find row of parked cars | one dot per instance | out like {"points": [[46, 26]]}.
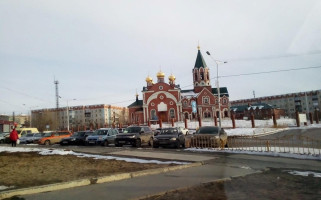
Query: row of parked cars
{"points": [[135, 136]]}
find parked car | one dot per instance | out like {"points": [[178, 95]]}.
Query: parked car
{"points": [[219, 137], [103, 136], [26, 139], [37, 137], [135, 136], [157, 131], [184, 130], [4, 136], [169, 137], [77, 138], [121, 130], [54, 137]]}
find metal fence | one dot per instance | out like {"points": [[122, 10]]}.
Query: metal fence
{"points": [[293, 144]]}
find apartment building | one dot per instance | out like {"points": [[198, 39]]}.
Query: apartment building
{"points": [[80, 117], [306, 102]]}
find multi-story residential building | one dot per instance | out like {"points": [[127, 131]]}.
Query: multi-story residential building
{"points": [[80, 117], [306, 102]]}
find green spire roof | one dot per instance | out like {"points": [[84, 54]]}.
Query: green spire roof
{"points": [[200, 60]]}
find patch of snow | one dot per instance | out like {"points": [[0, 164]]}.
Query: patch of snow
{"points": [[273, 152], [306, 173], [2, 187], [68, 152]]}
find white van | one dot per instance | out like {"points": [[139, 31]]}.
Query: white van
{"points": [[25, 131]]}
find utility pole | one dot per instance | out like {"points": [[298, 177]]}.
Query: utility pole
{"points": [[254, 94], [56, 82]]}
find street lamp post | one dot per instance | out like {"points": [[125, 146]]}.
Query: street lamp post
{"points": [[218, 88]]}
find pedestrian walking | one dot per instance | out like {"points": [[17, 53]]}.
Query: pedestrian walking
{"points": [[14, 136]]}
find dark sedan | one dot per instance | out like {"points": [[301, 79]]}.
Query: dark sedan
{"points": [[169, 137], [78, 138]]}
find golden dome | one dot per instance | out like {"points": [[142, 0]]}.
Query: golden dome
{"points": [[171, 77], [160, 74], [149, 79]]}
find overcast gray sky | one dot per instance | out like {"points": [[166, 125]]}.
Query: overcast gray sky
{"points": [[102, 51]]}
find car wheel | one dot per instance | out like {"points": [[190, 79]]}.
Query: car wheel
{"points": [[47, 142], [226, 145], [151, 142], [106, 143], [118, 145], [178, 144], [138, 143], [155, 146]]}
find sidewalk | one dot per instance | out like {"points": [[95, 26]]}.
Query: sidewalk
{"points": [[147, 185]]}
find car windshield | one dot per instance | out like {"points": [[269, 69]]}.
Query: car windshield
{"points": [[38, 134], [47, 134], [100, 132], [29, 135], [168, 131], [207, 130], [79, 134], [132, 130]]}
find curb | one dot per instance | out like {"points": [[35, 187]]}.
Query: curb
{"points": [[90, 181], [179, 189], [188, 187]]}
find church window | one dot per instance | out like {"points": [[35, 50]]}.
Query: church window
{"points": [[153, 114], [205, 100], [172, 113], [160, 87], [202, 75], [224, 101], [185, 103], [207, 114]]}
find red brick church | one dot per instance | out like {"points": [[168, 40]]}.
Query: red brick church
{"points": [[166, 101]]}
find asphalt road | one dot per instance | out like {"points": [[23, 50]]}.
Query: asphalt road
{"points": [[216, 166]]}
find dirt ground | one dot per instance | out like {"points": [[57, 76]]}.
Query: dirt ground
{"points": [[31, 169], [272, 184]]}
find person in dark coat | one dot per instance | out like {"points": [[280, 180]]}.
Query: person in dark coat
{"points": [[14, 136]]}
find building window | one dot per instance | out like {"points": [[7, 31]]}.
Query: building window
{"points": [[224, 101], [153, 114], [160, 87], [172, 113], [202, 75], [161, 97], [171, 103], [205, 100], [152, 104], [185, 103], [207, 114]]}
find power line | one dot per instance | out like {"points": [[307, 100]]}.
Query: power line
{"points": [[269, 72], [266, 72]]}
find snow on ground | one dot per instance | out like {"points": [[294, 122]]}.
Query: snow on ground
{"points": [[68, 152], [244, 127], [307, 173], [303, 153]]}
